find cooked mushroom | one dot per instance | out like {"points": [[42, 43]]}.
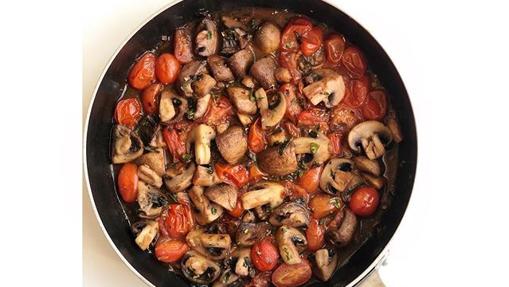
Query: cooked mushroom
{"points": [[207, 38], [205, 176], [245, 120], [291, 243], [341, 229], [264, 192], [267, 38], [146, 174], [338, 176], [248, 217], [179, 178], [166, 108], [155, 159], [232, 144], [367, 165], [150, 199], [228, 279], [372, 136], [202, 104], [201, 135], [241, 98], [199, 269], [223, 194], [250, 233], [232, 22], [291, 214], [183, 44], [157, 139], [263, 71], [263, 212], [270, 117], [377, 181], [188, 74], [214, 246], [277, 160], [318, 147], [325, 263], [146, 129], [244, 266], [330, 89], [248, 82], [207, 212], [145, 236], [278, 137], [393, 126], [283, 75], [220, 70], [203, 84], [241, 61], [128, 146]]}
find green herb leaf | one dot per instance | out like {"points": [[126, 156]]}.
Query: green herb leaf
{"points": [[186, 158], [314, 147], [336, 202], [190, 114], [213, 210], [209, 35]]}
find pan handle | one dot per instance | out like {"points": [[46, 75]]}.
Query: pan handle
{"points": [[372, 280]]}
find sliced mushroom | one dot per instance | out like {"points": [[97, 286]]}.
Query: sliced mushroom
{"points": [[207, 212], [232, 144], [338, 176], [128, 146], [183, 44], [150, 199], [278, 137], [220, 70], [146, 174], [377, 181], [244, 266], [232, 22], [341, 229], [241, 98], [267, 38], [291, 243], [228, 279], [199, 269], [201, 135], [248, 217], [318, 146], [204, 176], [155, 159], [393, 126], [157, 139], [263, 71], [265, 192], [179, 178], [223, 194], [283, 75], [325, 263], [270, 117], [202, 104], [245, 120], [166, 108], [146, 128], [207, 38], [250, 233], [367, 165], [263, 212], [203, 84], [213, 246], [330, 89], [277, 160], [370, 136], [147, 235], [241, 61], [248, 82], [188, 74], [291, 214]]}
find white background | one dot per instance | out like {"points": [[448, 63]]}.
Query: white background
{"points": [[452, 56]]}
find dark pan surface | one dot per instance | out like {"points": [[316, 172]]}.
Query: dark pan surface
{"points": [[99, 169]]}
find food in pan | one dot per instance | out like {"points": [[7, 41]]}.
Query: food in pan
{"points": [[253, 147]]}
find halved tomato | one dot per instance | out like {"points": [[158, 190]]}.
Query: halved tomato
{"points": [[292, 275]]}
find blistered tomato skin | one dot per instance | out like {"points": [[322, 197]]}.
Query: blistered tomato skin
{"points": [[364, 201], [167, 68], [128, 112], [264, 255], [292, 275], [128, 182], [142, 74]]}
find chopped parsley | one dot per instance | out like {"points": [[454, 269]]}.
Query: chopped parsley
{"points": [[213, 210], [190, 114], [336, 202], [314, 147], [186, 158], [209, 35]]}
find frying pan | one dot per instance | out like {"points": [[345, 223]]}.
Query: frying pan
{"points": [[99, 171]]}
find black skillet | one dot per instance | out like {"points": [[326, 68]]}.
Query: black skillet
{"points": [[97, 135]]}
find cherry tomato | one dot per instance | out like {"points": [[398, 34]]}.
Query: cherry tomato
{"points": [[261, 279], [291, 129], [364, 201], [236, 174], [264, 255], [128, 112], [323, 204], [313, 116], [175, 144], [375, 107], [335, 143], [256, 140], [255, 174], [183, 46], [150, 98], [220, 111], [293, 108], [176, 221], [334, 48], [295, 191], [128, 182], [170, 250], [354, 62], [356, 92], [310, 179], [292, 275], [311, 41], [295, 28], [142, 74], [238, 210], [315, 235], [167, 68]]}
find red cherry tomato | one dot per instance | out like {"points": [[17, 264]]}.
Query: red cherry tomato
{"points": [[356, 92], [167, 68], [261, 279], [293, 108], [150, 98], [313, 116], [128, 182], [176, 221], [364, 201], [183, 46], [256, 137], [295, 28], [176, 145], [264, 255], [354, 62], [335, 143], [291, 129], [292, 275], [315, 235], [128, 112], [311, 41], [375, 107], [232, 174], [170, 250], [142, 74], [220, 111], [310, 180], [323, 204], [289, 60], [334, 48]]}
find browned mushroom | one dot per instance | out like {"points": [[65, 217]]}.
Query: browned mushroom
{"points": [[203, 84], [205, 176], [150, 199], [155, 159], [179, 178], [341, 229], [250, 233], [219, 69], [371, 137], [270, 116], [268, 37], [213, 246], [325, 263], [207, 211], [291, 243], [232, 144], [128, 146], [263, 71], [146, 174], [291, 214], [199, 269], [241, 98], [223, 194], [183, 44], [241, 61], [262, 193], [278, 160], [283, 75], [330, 89], [207, 38]]}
